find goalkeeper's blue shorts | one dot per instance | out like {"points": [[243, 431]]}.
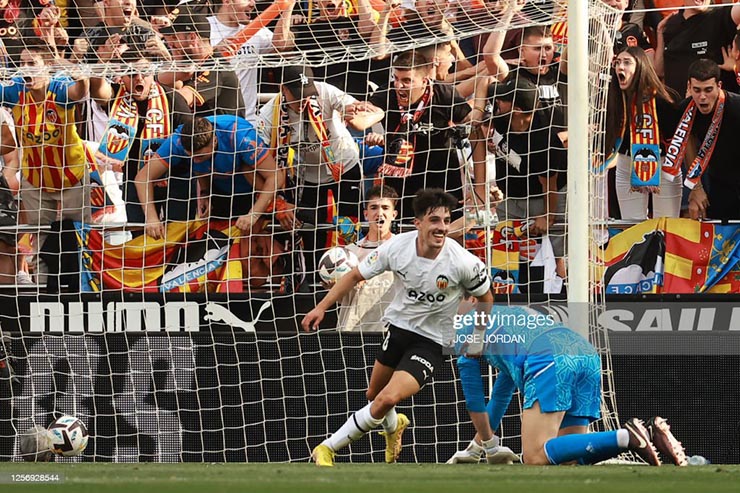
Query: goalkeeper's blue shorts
{"points": [[564, 382]]}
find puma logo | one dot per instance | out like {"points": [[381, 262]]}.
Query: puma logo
{"points": [[218, 313]]}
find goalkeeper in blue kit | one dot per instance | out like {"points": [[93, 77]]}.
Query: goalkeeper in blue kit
{"points": [[558, 374]]}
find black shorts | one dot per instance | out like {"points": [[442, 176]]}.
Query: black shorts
{"points": [[410, 352]]}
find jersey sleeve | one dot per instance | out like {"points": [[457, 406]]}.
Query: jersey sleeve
{"points": [[337, 98], [472, 384], [501, 393], [249, 146], [475, 280], [172, 152], [59, 86], [10, 92], [378, 261]]}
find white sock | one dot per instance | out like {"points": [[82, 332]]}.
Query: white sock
{"points": [[390, 421], [359, 424], [623, 438], [474, 448], [492, 443]]}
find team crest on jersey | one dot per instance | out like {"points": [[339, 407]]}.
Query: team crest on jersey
{"points": [[373, 257], [51, 115], [442, 282]]}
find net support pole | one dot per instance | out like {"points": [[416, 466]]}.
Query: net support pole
{"points": [[578, 175]]}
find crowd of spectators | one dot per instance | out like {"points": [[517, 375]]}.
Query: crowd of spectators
{"points": [[170, 122]]}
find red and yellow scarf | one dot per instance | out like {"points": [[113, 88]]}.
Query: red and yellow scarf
{"points": [[676, 150], [124, 113], [281, 133], [645, 140]]}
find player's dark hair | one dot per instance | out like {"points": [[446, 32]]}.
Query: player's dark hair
{"points": [[704, 69], [432, 198], [382, 192], [196, 134]]}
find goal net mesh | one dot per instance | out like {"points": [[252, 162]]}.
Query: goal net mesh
{"points": [[188, 347]]}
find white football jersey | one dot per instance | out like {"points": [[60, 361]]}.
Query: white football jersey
{"points": [[431, 290], [363, 308]]}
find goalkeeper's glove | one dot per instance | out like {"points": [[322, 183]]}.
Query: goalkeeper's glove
{"points": [[471, 455], [497, 453]]}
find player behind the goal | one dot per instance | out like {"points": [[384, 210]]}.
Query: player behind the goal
{"points": [[434, 271]]}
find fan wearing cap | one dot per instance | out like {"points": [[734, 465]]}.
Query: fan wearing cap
{"points": [[531, 160], [310, 118], [213, 87], [122, 30]]}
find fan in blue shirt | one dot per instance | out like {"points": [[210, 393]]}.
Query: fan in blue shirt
{"points": [[230, 162]]}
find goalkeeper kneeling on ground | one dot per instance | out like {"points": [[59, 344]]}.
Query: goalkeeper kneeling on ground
{"points": [[558, 374]]}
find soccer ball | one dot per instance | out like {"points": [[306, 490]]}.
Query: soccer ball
{"points": [[335, 263], [68, 436]]}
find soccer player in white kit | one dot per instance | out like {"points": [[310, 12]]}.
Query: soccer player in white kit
{"points": [[434, 271]]}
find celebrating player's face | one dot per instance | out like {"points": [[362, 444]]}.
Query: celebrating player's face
{"points": [[432, 11], [433, 229], [120, 12], [705, 94], [242, 9], [330, 9]]}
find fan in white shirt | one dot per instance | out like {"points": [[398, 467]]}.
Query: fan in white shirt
{"points": [[230, 18]]}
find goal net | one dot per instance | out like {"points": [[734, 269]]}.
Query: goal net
{"points": [[151, 285]]}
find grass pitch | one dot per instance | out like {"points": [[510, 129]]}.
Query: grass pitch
{"points": [[371, 478]]}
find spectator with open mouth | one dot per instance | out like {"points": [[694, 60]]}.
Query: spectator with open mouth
{"points": [[151, 111], [644, 113]]}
